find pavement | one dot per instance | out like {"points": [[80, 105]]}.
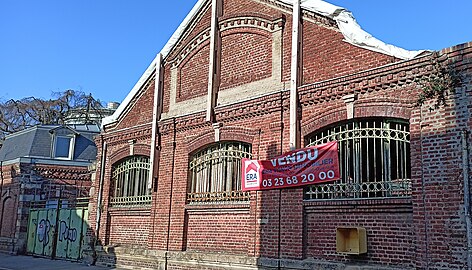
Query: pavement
{"points": [[19, 262]]}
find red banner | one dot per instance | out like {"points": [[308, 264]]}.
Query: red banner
{"points": [[300, 167]]}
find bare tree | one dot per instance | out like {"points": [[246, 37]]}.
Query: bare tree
{"points": [[16, 115]]}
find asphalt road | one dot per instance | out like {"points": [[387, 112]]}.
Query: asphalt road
{"points": [[13, 262]]}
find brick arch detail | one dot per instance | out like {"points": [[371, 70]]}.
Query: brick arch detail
{"points": [[242, 23], [246, 30], [362, 109], [139, 149], [239, 134]]}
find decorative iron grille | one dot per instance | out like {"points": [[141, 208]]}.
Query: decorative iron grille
{"points": [[215, 173], [130, 182], [374, 160], [131, 201]]}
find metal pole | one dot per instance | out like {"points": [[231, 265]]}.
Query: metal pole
{"points": [[294, 140], [465, 175], [100, 190], [212, 70]]}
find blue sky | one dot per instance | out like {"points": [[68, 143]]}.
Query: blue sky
{"points": [[103, 46]]}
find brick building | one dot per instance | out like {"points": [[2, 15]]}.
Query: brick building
{"points": [[233, 85], [42, 164]]}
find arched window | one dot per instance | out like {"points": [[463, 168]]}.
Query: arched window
{"points": [[130, 178], [215, 173], [374, 160]]}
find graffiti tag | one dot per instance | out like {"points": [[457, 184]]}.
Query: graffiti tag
{"points": [[43, 231], [66, 233]]}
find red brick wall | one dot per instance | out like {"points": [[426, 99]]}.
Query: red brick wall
{"points": [[388, 223], [9, 195], [233, 7], [248, 63], [214, 231], [139, 112], [424, 231], [326, 55], [192, 82], [128, 227], [166, 88], [118, 147]]}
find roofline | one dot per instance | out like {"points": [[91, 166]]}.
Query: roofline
{"points": [[346, 22], [173, 40], [45, 161], [47, 127], [20, 132]]}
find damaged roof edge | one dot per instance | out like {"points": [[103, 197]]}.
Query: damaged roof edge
{"points": [[352, 31], [346, 22]]}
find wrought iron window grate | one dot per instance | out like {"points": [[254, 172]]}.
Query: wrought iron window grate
{"points": [[215, 173], [130, 182], [131, 201], [374, 160]]}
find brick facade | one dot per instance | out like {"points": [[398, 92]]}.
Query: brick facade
{"points": [[23, 184], [278, 229]]}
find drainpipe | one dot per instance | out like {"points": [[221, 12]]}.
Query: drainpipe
{"points": [[465, 175], [174, 145], [100, 189], [294, 74]]}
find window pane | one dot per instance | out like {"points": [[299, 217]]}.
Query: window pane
{"points": [[62, 148]]}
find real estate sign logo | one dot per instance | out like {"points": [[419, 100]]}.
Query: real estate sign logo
{"points": [[251, 173]]}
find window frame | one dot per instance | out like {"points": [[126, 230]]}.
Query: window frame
{"points": [[71, 149], [214, 173], [129, 182], [374, 157]]}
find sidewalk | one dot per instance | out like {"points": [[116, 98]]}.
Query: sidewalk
{"points": [[13, 262]]}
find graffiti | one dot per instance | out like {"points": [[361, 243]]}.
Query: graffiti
{"points": [[66, 233], [57, 233], [43, 231]]}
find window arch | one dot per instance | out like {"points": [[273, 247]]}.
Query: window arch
{"points": [[215, 173], [130, 178], [374, 159]]}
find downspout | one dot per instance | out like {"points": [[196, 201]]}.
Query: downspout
{"points": [[174, 145], [100, 190], [294, 74], [465, 175]]}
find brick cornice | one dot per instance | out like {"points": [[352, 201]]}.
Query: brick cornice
{"points": [[383, 78], [142, 132], [63, 173], [254, 107], [227, 133]]}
